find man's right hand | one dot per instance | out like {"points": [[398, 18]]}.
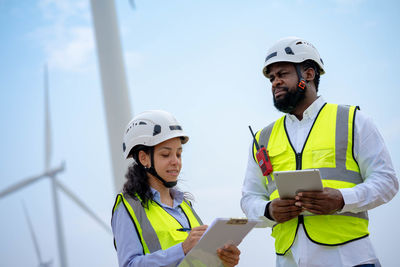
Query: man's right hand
{"points": [[194, 236], [282, 210]]}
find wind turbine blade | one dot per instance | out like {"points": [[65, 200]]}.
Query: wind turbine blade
{"points": [[30, 180], [47, 128], [82, 205], [35, 243], [21, 184]]}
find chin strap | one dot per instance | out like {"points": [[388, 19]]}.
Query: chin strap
{"points": [[301, 86], [153, 172]]}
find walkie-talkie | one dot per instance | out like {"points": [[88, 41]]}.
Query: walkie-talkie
{"points": [[262, 157]]}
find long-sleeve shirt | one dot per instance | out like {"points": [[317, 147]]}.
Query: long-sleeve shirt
{"points": [[129, 248], [380, 186]]}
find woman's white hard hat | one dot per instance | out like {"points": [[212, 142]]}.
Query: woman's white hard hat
{"points": [[151, 128], [292, 49]]}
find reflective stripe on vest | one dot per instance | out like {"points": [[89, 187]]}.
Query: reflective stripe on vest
{"points": [[155, 227], [329, 148]]}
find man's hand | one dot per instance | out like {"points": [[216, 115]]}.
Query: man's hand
{"points": [[282, 210], [229, 255], [326, 202], [194, 236]]}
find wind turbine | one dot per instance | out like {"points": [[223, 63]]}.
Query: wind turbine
{"points": [[55, 184], [113, 82], [35, 243]]}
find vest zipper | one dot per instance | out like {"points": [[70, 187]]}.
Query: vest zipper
{"points": [[299, 155], [298, 161], [301, 219], [298, 167]]}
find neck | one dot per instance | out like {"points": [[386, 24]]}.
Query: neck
{"points": [[310, 97], [165, 194]]}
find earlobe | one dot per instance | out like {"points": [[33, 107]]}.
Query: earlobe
{"points": [[143, 158], [309, 74]]}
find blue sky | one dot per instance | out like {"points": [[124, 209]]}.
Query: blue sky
{"points": [[200, 60]]}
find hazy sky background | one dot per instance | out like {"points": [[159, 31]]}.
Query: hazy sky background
{"points": [[200, 60]]}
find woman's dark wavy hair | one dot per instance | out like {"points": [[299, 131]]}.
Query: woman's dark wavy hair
{"points": [[138, 181]]}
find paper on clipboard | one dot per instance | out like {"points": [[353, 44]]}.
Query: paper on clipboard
{"points": [[220, 232]]}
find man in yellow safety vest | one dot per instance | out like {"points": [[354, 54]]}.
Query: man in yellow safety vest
{"points": [[337, 140]]}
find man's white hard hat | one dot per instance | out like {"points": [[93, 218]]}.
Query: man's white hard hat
{"points": [[292, 49], [151, 128]]}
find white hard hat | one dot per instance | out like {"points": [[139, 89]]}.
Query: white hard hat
{"points": [[151, 128], [292, 49]]}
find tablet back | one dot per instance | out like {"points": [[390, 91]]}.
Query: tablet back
{"points": [[289, 183]]}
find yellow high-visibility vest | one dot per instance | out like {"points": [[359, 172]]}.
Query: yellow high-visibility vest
{"points": [[155, 227], [329, 148]]}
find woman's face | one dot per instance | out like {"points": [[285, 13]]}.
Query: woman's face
{"points": [[167, 159]]}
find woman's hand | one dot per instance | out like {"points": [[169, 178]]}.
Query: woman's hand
{"points": [[229, 255], [194, 236]]}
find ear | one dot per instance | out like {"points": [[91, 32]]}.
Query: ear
{"points": [[144, 158], [309, 74]]}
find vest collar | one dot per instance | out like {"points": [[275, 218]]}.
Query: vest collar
{"points": [[176, 195]]}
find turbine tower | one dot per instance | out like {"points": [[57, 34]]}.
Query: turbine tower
{"points": [[113, 81], [35, 243]]}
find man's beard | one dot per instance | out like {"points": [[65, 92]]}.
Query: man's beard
{"points": [[289, 101]]}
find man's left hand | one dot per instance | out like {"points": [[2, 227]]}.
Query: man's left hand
{"points": [[326, 202]]}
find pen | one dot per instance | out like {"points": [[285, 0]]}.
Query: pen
{"points": [[184, 229]]}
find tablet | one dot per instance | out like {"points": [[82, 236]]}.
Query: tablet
{"points": [[289, 183]]}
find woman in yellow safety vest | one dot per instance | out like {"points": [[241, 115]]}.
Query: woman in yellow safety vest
{"points": [[154, 224]]}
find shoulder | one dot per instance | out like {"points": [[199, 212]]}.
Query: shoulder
{"points": [[264, 134], [120, 216], [188, 198], [363, 123], [188, 202], [269, 126], [362, 119], [267, 129]]}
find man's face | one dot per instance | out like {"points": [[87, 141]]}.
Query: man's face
{"points": [[283, 77]]}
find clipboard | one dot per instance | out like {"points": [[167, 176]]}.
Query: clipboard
{"points": [[289, 183], [221, 231]]}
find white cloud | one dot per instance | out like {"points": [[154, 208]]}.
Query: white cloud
{"points": [[63, 9], [67, 37], [74, 53]]}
